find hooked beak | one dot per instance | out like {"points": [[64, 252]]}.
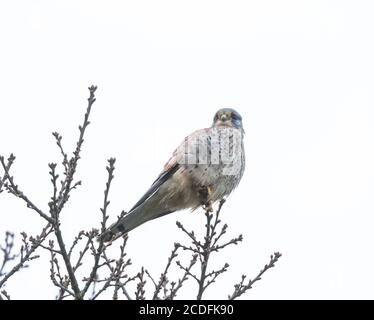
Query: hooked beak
{"points": [[224, 117]]}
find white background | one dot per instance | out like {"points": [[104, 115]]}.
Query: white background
{"points": [[299, 72]]}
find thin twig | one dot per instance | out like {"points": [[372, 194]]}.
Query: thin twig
{"points": [[105, 217], [203, 249], [163, 275], [208, 239], [63, 153], [7, 166], [175, 289], [13, 188], [64, 195], [241, 288], [74, 160], [55, 273], [6, 295], [28, 254], [140, 292], [7, 251]]}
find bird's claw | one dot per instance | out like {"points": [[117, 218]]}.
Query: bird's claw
{"points": [[205, 193], [208, 207]]}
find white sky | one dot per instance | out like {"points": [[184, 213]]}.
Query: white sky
{"points": [[300, 73]]}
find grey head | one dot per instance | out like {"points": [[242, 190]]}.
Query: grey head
{"points": [[227, 117]]}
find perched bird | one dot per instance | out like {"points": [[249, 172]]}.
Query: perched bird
{"points": [[205, 168]]}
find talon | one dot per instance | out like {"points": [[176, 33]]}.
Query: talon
{"points": [[210, 191], [208, 206], [205, 193]]}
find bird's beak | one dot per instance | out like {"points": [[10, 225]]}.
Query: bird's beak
{"points": [[224, 117]]}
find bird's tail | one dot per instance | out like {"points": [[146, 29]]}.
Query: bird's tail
{"points": [[125, 224], [133, 219]]}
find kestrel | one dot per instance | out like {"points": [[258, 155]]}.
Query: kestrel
{"points": [[206, 167]]}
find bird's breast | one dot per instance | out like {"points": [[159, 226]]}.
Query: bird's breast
{"points": [[216, 158]]}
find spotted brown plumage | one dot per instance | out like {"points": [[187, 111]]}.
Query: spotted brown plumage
{"points": [[205, 168]]}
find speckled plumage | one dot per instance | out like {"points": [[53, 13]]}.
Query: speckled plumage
{"points": [[205, 168]]}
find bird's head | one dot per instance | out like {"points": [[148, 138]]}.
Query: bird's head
{"points": [[227, 117]]}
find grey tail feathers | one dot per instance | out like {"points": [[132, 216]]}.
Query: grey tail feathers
{"points": [[122, 226], [147, 208], [128, 223]]}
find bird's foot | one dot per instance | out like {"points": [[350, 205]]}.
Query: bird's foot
{"points": [[208, 206], [205, 193]]}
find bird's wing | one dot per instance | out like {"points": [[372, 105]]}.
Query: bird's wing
{"points": [[171, 166], [149, 202], [164, 176]]}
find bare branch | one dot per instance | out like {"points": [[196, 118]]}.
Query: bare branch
{"points": [[107, 272], [64, 194], [215, 274], [140, 292], [105, 217], [203, 249], [190, 234], [241, 288], [63, 153], [7, 251], [175, 289], [72, 164], [13, 189], [5, 294], [7, 168], [116, 272], [26, 252], [75, 242], [188, 270], [57, 273], [163, 278]]}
